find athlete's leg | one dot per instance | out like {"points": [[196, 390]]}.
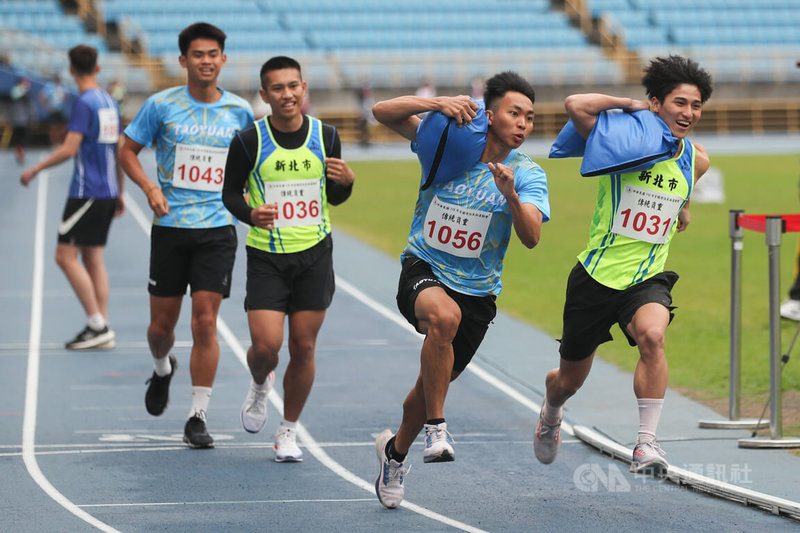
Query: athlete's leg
{"points": [[303, 329], [564, 381], [93, 261], [78, 277], [648, 328], [266, 336], [164, 314], [205, 346]]}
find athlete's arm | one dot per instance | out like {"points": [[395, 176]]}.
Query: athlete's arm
{"points": [[584, 108], [68, 149], [400, 114], [129, 159], [120, 183], [237, 170], [339, 175], [701, 164], [526, 218]]}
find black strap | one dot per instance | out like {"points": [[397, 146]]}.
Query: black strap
{"points": [[437, 158]]}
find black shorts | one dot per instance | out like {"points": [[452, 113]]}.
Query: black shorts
{"points": [[200, 258], [299, 281], [86, 221], [477, 312], [591, 309]]}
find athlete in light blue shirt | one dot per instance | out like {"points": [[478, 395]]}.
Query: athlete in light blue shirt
{"points": [[451, 266], [193, 241], [473, 261]]}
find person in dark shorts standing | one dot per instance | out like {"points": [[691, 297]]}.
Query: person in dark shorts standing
{"points": [[193, 241], [452, 263], [95, 195], [290, 166], [620, 276]]}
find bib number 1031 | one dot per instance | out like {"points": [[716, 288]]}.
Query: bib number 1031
{"points": [[646, 215]]}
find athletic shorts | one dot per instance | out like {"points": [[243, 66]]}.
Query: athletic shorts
{"points": [[299, 281], [591, 309], [477, 312], [86, 221], [199, 258]]}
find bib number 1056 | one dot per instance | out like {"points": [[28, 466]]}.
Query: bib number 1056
{"points": [[456, 230]]}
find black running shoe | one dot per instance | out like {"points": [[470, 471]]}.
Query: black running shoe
{"points": [[157, 395], [195, 433], [91, 338]]}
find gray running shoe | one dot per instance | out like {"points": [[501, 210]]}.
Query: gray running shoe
{"points": [[389, 484], [438, 444], [648, 458], [286, 448], [254, 408], [91, 338], [546, 440]]}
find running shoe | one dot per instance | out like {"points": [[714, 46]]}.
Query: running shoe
{"points": [[157, 396], [438, 444], [90, 338], [286, 449], [389, 485], [254, 408], [195, 433], [648, 458], [546, 440], [791, 309]]}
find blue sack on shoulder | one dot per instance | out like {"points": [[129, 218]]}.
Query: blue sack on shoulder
{"points": [[444, 150], [619, 142]]}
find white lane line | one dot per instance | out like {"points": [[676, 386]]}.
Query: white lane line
{"points": [[229, 502], [311, 445], [32, 379]]}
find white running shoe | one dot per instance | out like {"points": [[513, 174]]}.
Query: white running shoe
{"points": [[389, 485], [546, 440], [286, 449], [648, 458], [254, 408], [791, 309], [438, 444]]}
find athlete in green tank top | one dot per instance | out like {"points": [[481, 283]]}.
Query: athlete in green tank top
{"points": [[620, 276]]}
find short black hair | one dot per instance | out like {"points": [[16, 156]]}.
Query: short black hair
{"points": [[278, 63], [83, 59], [664, 74], [499, 84], [200, 30]]}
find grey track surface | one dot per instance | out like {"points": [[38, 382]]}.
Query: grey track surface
{"points": [[97, 447]]}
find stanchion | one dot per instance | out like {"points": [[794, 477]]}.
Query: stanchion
{"points": [[774, 226], [736, 234]]}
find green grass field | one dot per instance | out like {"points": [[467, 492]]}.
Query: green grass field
{"points": [[380, 209]]}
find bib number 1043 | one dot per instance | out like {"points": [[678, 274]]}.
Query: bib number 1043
{"points": [[200, 168]]}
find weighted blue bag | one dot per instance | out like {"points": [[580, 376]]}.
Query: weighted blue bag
{"points": [[444, 150]]}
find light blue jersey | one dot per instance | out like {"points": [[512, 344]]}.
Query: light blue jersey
{"points": [[462, 227], [196, 136]]}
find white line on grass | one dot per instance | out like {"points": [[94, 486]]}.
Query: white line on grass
{"points": [[32, 379], [311, 445]]}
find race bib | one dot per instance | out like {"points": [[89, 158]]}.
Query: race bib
{"points": [[646, 215], [201, 168], [455, 230], [299, 202], [109, 126]]}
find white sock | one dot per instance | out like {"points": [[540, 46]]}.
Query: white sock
{"points": [[162, 366], [261, 387], [287, 424], [551, 415], [96, 321], [649, 413], [200, 398]]}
